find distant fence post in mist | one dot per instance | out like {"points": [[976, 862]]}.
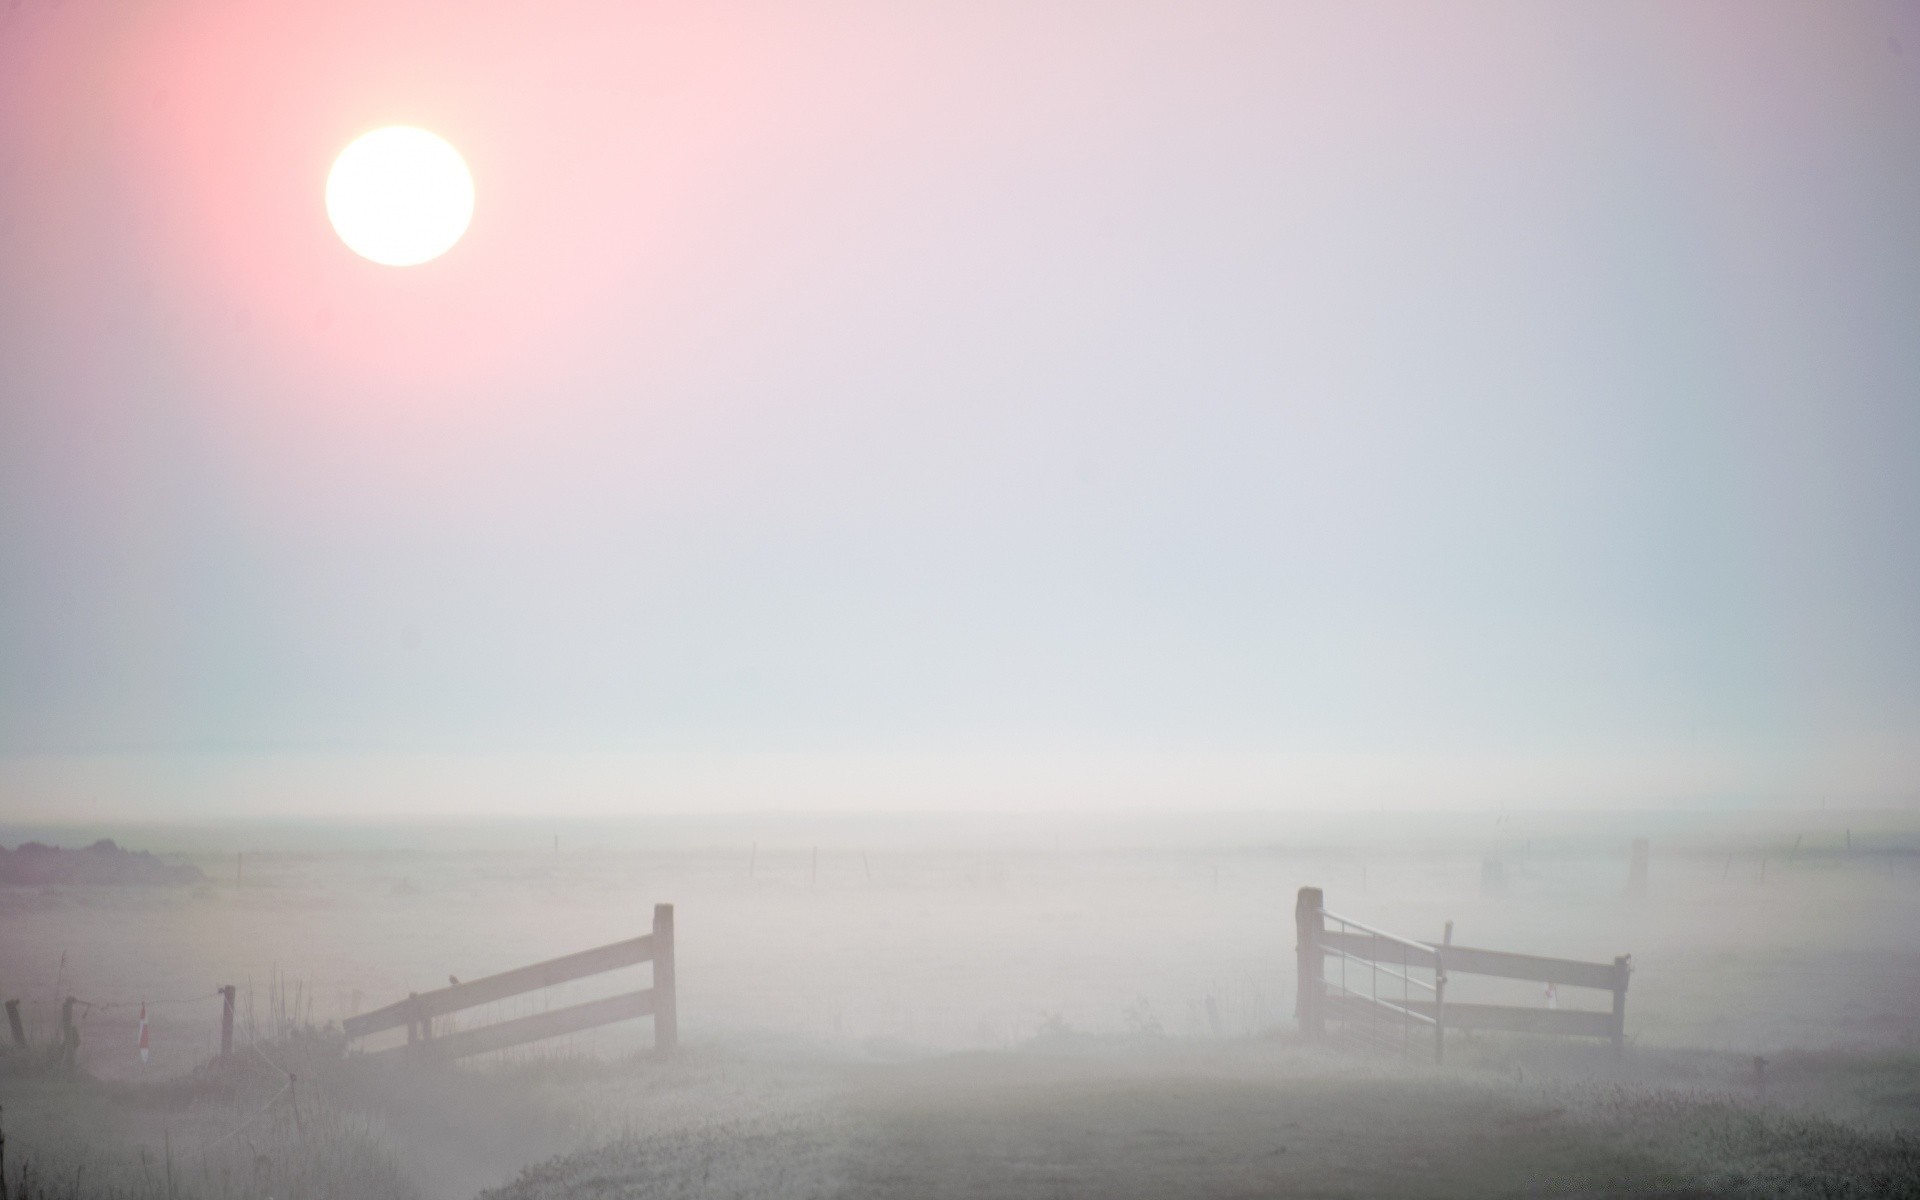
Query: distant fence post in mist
{"points": [[1622, 971], [1493, 877], [1637, 869], [666, 1007], [1310, 923], [69, 1034], [226, 1021], [417, 1012], [13, 1023]]}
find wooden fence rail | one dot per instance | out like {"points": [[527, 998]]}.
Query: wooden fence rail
{"points": [[1396, 958], [417, 1012]]}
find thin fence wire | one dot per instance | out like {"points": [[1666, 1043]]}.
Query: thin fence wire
{"points": [[1367, 1012]]}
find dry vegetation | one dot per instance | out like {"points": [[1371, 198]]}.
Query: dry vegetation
{"points": [[226, 1131]]}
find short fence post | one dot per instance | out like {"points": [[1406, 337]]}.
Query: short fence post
{"points": [[424, 1018], [1622, 970], [13, 1022], [1310, 924], [1440, 1000], [1493, 877], [69, 1034], [1637, 869], [226, 1021], [666, 1012]]}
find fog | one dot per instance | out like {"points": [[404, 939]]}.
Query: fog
{"points": [[1125, 600], [987, 1004], [949, 934]]}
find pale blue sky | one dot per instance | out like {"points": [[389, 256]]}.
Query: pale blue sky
{"points": [[1233, 404]]}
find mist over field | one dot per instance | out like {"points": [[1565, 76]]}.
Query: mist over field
{"points": [[996, 1003], [872, 600]]}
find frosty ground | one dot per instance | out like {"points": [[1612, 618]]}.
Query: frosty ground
{"points": [[985, 1009]]}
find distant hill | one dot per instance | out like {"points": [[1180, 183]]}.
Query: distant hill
{"points": [[103, 862]]}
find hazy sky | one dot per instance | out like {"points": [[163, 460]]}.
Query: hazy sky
{"points": [[962, 404]]}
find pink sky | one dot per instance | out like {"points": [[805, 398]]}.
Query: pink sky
{"points": [[917, 405]]}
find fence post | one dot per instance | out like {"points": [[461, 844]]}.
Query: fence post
{"points": [[421, 1017], [13, 1022], [1622, 969], [69, 1034], [666, 1010], [1637, 869], [1310, 923], [226, 1021]]}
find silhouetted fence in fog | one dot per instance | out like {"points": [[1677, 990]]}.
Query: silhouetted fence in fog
{"points": [[1413, 1001], [66, 1050], [418, 1011]]}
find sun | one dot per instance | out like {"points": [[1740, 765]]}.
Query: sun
{"points": [[400, 196]]}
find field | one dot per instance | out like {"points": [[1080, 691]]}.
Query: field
{"points": [[984, 1007]]}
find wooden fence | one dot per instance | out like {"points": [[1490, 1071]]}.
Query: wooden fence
{"points": [[1415, 976], [417, 1011]]}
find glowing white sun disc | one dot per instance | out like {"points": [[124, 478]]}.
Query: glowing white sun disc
{"points": [[399, 196]]}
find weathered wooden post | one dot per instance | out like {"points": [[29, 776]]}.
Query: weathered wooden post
{"points": [[666, 1009], [1622, 970], [226, 1021], [1493, 877], [69, 1034], [1310, 923], [1440, 998], [13, 1023], [418, 1018]]}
